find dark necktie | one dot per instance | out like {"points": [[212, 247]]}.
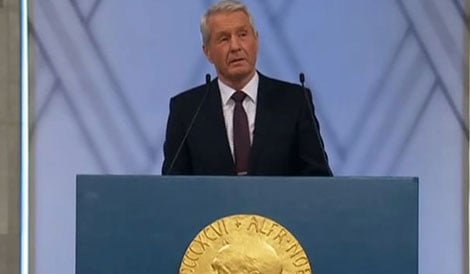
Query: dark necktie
{"points": [[241, 134]]}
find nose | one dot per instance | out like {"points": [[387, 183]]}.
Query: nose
{"points": [[234, 43]]}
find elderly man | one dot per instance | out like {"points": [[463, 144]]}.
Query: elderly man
{"points": [[241, 123]]}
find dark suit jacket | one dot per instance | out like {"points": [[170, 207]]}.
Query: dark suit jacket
{"points": [[285, 141]]}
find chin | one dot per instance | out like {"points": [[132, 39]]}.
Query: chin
{"points": [[240, 73]]}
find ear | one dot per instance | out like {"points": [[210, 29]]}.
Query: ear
{"points": [[206, 51], [257, 40]]}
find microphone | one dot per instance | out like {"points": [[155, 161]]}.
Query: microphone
{"points": [[191, 124], [306, 94], [308, 101], [302, 79]]}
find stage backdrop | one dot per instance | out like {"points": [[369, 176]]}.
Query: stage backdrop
{"points": [[388, 80]]}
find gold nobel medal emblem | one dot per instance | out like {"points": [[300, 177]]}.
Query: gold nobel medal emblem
{"points": [[242, 244]]}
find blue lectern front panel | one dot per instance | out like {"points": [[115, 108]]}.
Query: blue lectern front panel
{"points": [[144, 224]]}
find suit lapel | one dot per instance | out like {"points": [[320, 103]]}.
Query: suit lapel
{"points": [[217, 127], [262, 120]]}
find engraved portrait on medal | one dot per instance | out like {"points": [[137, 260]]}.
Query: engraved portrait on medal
{"points": [[242, 244]]}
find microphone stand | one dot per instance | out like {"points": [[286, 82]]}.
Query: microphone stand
{"points": [[191, 124]]}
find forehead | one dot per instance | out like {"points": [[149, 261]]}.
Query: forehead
{"points": [[226, 21]]}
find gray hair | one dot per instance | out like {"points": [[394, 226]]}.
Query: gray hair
{"points": [[223, 6]]}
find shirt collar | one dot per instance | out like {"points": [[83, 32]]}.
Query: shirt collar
{"points": [[251, 89]]}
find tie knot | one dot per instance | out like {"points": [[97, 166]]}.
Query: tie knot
{"points": [[238, 96]]}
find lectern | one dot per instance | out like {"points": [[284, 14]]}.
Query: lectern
{"points": [[144, 224]]}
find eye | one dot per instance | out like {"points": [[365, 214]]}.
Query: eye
{"points": [[223, 39]]}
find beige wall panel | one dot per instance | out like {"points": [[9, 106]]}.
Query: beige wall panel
{"points": [[13, 63], [4, 95], [13, 178], [9, 136], [4, 79], [3, 254], [4, 181]]}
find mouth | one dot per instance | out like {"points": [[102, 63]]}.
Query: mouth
{"points": [[236, 60]]}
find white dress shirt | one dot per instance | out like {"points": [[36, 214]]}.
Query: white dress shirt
{"points": [[228, 105]]}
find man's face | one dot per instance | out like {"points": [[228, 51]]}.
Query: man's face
{"points": [[232, 47]]}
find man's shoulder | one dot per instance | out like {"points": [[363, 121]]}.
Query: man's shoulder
{"points": [[278, 83], [281, 88], [190, 94]]}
